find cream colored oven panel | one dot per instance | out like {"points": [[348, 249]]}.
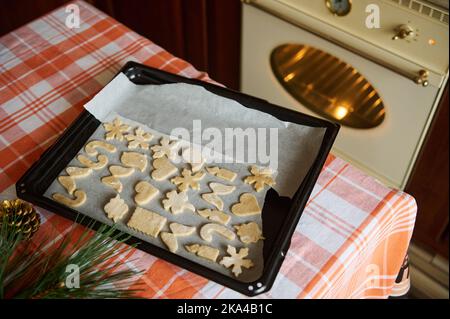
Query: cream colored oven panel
{"points": [[388, 149]]}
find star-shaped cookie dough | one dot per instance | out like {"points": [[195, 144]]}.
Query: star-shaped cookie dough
{"points": [[237, 260], [140, 138], [165, 147], [177, 202], [260, 178], [115, 130], [188, 180]]}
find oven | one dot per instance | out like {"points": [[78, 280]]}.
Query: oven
{"points": [[377, 67]]}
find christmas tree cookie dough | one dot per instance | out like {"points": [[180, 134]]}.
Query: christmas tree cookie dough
{"points": [[206, 252]]}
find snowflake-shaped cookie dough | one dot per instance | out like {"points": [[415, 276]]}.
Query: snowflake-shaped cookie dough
{"points": [[139, 139], [177, 202], [188, 180], [236, 260], [260, 178], [115, 130], [166, 148]]}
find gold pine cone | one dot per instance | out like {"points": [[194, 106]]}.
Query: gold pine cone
{"points": [[20, 216]]}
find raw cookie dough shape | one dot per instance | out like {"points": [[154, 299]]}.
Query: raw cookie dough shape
{"points": [[120, 171], [91, 147], [170, 240], [177, 230], [221, 189], [213, 199], [237, 260], [113, 182], [102, 161], [68, 183], [249, 233], [147, 222], [206, 232], [145, 192], [163, 168], [214, 215], [193, 156], [187, 180], [181, 230], [247, 206], [165, 147], [116, 208], [78, 200], [140, 139], [261, 176], [177, 202], [78, 172], [222, 173], [115, 129], [135, 160], [206, 252]]}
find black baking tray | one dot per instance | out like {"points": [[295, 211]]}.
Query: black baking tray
{"points": [[280, 214]]}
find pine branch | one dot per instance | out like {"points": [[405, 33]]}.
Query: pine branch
{"points": [[40, 272]]}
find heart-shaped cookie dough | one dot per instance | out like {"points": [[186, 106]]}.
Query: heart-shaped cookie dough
{"points": [[247, 206], [163, 168]]}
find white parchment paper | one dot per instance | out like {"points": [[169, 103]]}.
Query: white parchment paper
{"points": [[169, 106]]}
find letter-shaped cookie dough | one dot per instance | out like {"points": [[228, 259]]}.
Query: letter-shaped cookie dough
{"points": [[237, 260], [78, 200], [68, 183], [78, 172], [181, 230], [102, 160], [120, 171], [91, 147], [249, 233], [207, 231], [177, 202], [147, 222], [145, 192], [247, 206], [206, 252], [222, 173], [116, 208], [133, 159], [112, 181], [193, 156], [213, 199], [170, 241], [221, 189], [215, 215], [163, 168]]}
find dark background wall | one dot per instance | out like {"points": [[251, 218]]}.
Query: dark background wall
{"points": [[204, 32]]}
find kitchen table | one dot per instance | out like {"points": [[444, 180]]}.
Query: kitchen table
{"points": [[353, 235]]}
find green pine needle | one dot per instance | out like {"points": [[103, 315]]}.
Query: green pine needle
{"points": [[27, 271]]}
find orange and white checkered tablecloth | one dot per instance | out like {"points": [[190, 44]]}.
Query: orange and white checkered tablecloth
{"points": [[354, 232]]}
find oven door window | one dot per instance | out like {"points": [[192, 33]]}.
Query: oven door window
{"points": [[327, 86]]}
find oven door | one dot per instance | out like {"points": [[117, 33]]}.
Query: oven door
{"points": [[385, 142]]}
